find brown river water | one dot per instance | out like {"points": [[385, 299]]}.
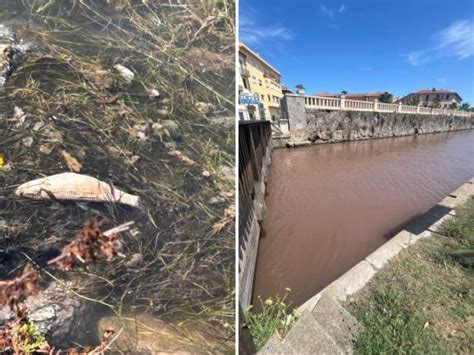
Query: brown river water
{"points": [[329, 206]]}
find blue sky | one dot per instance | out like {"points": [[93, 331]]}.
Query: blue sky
{"points": [[365, 45]]}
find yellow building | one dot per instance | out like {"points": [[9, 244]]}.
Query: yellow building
{"points": [[258, 79]]}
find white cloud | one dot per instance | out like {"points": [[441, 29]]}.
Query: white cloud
{"points": [[331, 12], [252, 33], [326, 11], [456, 40]]}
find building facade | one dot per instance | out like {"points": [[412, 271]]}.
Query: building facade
{"points": [[432, 98], [260, 88]]}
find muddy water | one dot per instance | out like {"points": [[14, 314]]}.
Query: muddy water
{"points": [[329, 206]]}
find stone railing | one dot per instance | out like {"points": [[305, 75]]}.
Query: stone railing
{"points": [[333, 103]]}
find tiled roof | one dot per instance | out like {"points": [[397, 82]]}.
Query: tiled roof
{"points": [[370, 94], [435, 92]]}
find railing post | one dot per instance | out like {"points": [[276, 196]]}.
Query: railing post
{"points": [[376, 104], [417, 109], [399, 107], [343, 101]]}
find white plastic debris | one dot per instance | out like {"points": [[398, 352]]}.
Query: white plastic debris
{"points": [[126, 74]]}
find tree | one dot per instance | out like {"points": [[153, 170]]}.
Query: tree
{"points": [[414, 101], [435, 104], [344, 92], [386, 97], [465, 106], [453, 106]]}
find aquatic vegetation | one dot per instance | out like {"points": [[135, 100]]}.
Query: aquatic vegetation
{"points": [[73, 100]]}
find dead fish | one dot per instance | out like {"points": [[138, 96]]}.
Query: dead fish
{"points": [[77, 187]]}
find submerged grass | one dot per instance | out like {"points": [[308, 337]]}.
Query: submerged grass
{"points": [[175, 151], [423, 302]]}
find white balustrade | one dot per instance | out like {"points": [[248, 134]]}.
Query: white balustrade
{"points": [[334, 103]]}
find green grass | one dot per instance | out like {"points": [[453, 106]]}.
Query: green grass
{"points": [[274, 318], [461, 228], [423, 302]]}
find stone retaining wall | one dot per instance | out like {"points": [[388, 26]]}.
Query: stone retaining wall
{"points": [[309, 126]]}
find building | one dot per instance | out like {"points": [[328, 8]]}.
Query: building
{"points": [[260, 89], [372, 97], [432, 98]]}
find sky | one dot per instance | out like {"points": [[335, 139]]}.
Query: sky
{"points": [[360, 46]]}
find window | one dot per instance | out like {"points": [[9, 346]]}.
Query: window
{"points": [[246, 84], [447, 96], [259, 82], [263, 97], [427, 97], [269, 98]]}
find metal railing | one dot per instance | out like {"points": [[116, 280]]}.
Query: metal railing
{"points": [[334, 103]]}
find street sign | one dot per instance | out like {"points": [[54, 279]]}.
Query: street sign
{"points": [[249, 99]]}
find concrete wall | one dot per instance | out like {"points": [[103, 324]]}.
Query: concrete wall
{"points": [[248, 262], [325, 126]]}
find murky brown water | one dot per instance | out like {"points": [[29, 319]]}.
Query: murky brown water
{"points": [[329, 206]]}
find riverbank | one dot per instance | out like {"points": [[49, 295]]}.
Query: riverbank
{"points": [[423, 301], [326, 324]]}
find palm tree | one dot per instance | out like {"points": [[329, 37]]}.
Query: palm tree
{"points": [[300, 89], [386, 97]]}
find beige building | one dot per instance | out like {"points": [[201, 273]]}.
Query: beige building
{"points": [[260, 89], [428, 98]]}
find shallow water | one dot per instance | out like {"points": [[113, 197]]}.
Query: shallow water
{"points": [[329, 206], [184, 229]]}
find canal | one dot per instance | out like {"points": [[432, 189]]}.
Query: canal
{"points": [[329, 206]]}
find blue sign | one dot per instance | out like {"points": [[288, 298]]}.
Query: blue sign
{"points": [[249, 99]]}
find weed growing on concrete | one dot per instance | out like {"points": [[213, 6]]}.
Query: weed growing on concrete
{"points": [[273, 319]]}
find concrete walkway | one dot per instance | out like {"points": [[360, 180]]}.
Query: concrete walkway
{"points": [[325, 327]]}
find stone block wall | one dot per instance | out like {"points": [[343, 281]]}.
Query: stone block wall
{"points": [[326, 126]]}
